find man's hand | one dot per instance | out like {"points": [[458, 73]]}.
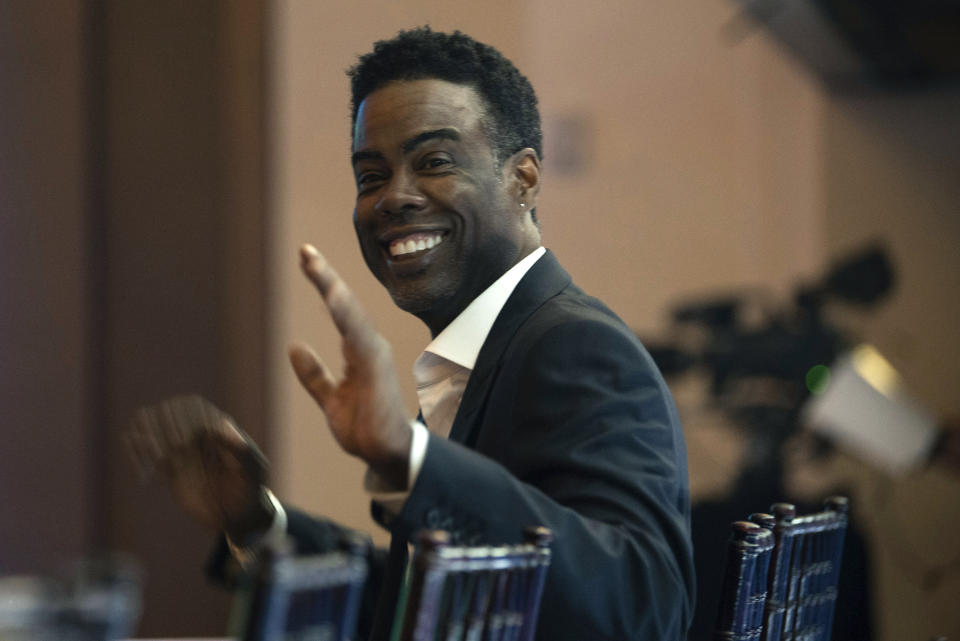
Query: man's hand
{"points": [[364, 408], [214, 471]]}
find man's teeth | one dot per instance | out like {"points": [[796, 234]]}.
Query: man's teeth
{"points": [[415, 243]]}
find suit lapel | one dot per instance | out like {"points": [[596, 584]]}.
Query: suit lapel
{"points": [[544, 280]]}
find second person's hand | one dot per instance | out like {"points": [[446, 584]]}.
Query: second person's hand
{"points": [[214, 471]]}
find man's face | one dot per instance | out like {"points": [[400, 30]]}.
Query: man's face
{"points": [[437, 219]]}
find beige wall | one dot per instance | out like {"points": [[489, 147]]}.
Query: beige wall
{"points": [[703, 158], [892, 164], [892, 171]]}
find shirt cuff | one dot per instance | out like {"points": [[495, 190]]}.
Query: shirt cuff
{"points": [[275, 535], [391, 497]]}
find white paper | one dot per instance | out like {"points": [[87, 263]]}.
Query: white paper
{"points": [[865, 410]]}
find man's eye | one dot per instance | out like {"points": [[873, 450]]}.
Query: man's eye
{"points": [[367, 177], [435, 161]]}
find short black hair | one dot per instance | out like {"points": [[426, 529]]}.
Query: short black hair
{"points": [[456, 57]]}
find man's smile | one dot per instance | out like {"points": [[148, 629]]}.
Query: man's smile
{"points": [[414, 243]]}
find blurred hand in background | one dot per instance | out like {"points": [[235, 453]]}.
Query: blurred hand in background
{"points": [[215, 472]]}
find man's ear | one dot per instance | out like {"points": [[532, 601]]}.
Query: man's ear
{"points": [[525, 170]]}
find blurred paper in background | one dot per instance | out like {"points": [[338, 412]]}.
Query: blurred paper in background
{"points": [[865, 409]]}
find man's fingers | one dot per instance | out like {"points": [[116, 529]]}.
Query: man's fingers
{"points": [[317, 269], [345, 310], [313, 374]]}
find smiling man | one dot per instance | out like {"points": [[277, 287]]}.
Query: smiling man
{"points": [[439, 215], [538, 405]]}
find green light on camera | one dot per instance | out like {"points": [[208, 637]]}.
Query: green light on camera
{"points": [[818, 378]]}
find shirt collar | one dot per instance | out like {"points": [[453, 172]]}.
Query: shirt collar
{"points": [[461, 340]]}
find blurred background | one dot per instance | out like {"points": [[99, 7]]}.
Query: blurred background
{"points": [[160, 162]]}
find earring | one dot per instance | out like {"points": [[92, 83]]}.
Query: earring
{"points": [[522, 205]]}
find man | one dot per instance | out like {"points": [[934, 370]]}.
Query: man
{"points": [[541, 406]]}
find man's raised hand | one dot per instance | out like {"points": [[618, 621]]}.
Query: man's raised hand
{"points": [[364, 407]]}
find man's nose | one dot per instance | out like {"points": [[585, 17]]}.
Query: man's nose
{"points": [[401, 194]]}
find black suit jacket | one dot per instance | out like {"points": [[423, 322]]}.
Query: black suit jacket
{"points": [[566, 423]]}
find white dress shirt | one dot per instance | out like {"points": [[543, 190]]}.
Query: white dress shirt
{"points": [[443, 369]]}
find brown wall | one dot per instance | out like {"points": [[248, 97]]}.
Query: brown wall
{"points": [[47, 467], [132, 261], [184, 241]]}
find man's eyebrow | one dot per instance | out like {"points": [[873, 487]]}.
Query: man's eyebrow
{"points": [[447, 133], [357, 156]]}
